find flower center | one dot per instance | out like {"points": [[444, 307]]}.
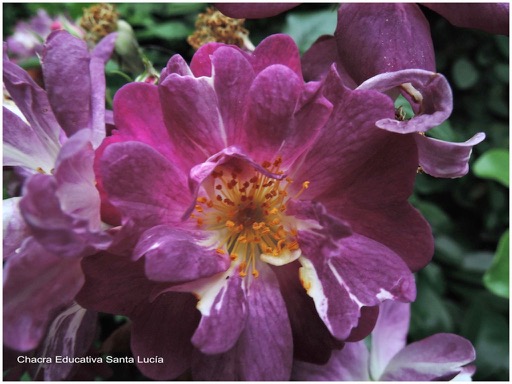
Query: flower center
{"points": [[247, 212]]}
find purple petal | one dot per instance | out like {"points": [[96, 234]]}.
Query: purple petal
{"points": [[429, 91], [220, 329], [143, 185], [312, 341], [276, 49], [114, 284], [175, 255], [35, 283], [283, 117], [70, 334], [22, 146], [164, 328], [354, 183], [386, 37], [192, 116], [348, 364], [34, 105], [15, 228], [441, 356], [443, 158], [265, 346], [389, 335], [138, 117], [103, 50], [351, 273], [489, 17], [264, 350], [63, 211], [68, 81], [232, 90], [254, 10], [318, 59]]}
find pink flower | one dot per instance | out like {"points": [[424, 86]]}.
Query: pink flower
{"points": [[238, 182]]}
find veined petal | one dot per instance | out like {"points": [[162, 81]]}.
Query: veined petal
{"points": [[143, 184], [232, 90], [174, 255], [389, 335], [283, 116], [277, 49], [264, 349], [386, 37], [441, 356], [312, 341], [70, 334], [35, 284], [191, 114], [139, 117], [59, 232], [68, 81], [23, 147], [429, 92], [220, 329], [348, 364], [443, 158], [34, 105], [355, 271]]}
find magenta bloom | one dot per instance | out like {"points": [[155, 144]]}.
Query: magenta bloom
{"points": [[238, 182], [442, 356], [50, 136]]}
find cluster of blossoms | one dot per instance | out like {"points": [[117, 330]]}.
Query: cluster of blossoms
{"points": [[250, 224]]}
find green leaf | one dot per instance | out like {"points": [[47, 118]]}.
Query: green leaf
{"points": [[494, 165], [465, 75], [305, 28], [496, 279], [172, 30]]}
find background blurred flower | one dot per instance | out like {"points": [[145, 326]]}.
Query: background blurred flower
{"points": [[439, 357]]}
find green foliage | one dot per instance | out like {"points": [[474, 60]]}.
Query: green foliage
{"points": [[496, 279], [494, 165], [305, 28]]}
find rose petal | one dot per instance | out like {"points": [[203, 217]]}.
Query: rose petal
{"points": [[430, 91], [22, 147], [68, 80], [35, 283], [441, 356], [379, 38], [220, 329], [143, 185], [443, 158], [489, 17], [389, 335], [348, 364], [175, 255]]}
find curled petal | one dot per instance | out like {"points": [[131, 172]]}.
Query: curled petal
{"points": [[443, 158], [429, 91]]}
